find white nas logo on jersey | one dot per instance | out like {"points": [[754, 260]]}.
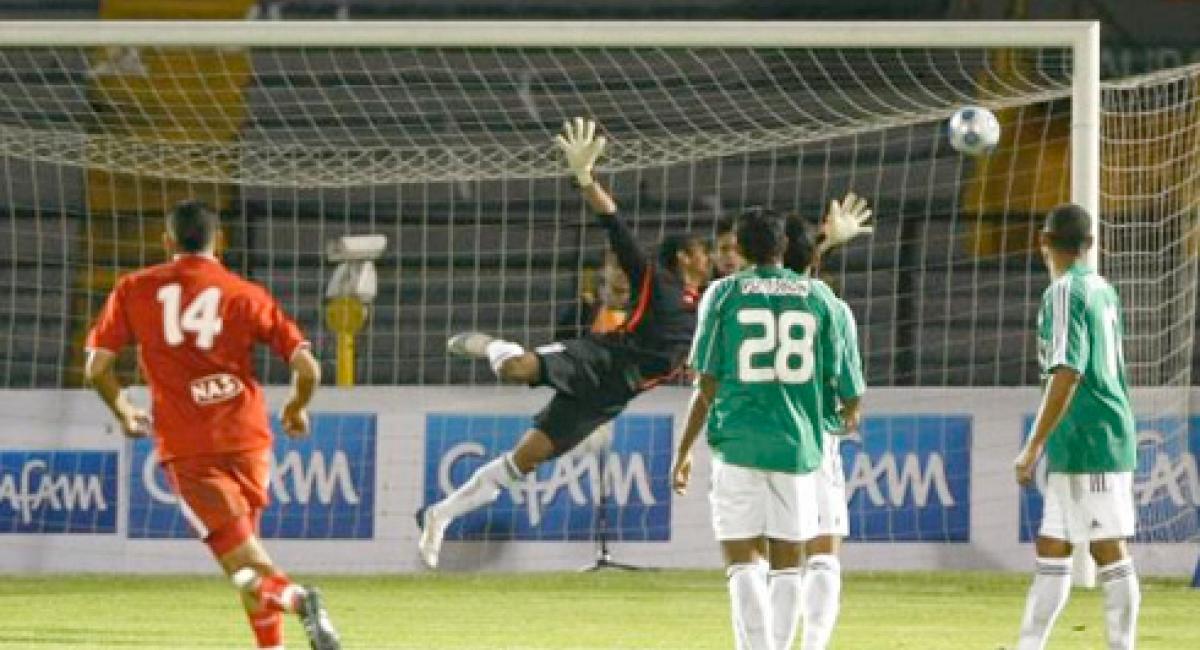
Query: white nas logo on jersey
{"points": [[216, 388]]}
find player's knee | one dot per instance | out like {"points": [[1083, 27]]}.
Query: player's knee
{"points": [[1108, 551], [521, 369], [822, 545], [742, 551], [784, 554], [233, 544], [1050, 547]]}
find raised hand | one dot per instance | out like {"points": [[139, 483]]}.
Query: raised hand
{"points": [[582, 147], [845, 221]]}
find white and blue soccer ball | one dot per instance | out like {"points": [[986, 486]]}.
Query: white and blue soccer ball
{"points": [[973, 130]]}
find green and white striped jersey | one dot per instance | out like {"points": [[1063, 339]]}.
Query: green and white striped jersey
{"points": [[1079, 326]]}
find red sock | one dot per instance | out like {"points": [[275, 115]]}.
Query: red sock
{"points": [[277, 593], [268, 628]]}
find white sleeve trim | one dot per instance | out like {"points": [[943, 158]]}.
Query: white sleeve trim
{"points": [[100, 348], [1061, 304]]}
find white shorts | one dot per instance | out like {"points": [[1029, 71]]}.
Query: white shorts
{"points": [[1079, 508], [833, 518], [750, 503]]}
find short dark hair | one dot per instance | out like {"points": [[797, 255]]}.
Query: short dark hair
{"points": [[1069, 228], [726, 226], [193, 226], [802, 243], [760, 235], [672, 245]]}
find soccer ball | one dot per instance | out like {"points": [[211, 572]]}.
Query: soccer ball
{"points": [[973, 130]]}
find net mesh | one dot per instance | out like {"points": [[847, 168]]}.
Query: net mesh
{"points": [[1151, 197], [343, 117], [448, 153]]}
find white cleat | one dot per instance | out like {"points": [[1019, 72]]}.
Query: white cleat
{"points": [[472, 345], [433, 529]]}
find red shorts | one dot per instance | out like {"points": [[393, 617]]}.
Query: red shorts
{"points": [[215, 491]]}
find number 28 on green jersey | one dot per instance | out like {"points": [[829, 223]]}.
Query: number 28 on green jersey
{"points": [[768, 336]]}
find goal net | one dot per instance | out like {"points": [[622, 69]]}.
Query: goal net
{"points": [[446, 149]]}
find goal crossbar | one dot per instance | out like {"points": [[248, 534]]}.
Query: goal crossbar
{"points": [[577, 33]]}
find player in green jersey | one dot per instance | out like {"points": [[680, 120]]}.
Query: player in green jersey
{"points": [[764, 350], [1085, 426], [813, 594], [819, 588]]}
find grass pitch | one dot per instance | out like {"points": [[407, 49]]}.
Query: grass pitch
{"points": [[668, 609]]}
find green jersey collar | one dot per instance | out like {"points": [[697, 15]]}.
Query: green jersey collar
{"points": [[766, 271], [1080, 267]]}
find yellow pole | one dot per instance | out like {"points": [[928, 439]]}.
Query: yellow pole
{"points": [[345, 315]]}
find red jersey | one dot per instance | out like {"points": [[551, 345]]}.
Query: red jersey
{"points": [[196, 324]]}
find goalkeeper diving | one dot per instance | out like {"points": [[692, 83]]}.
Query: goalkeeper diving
{"points": [[594, 378]]}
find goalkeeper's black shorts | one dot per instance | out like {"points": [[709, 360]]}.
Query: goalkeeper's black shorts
{"points": [[592, 381]]}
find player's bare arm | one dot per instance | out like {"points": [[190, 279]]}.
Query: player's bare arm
{"points": [[1058, 395], [599, 200], [698, 408], [306, 374], [100, 372]]}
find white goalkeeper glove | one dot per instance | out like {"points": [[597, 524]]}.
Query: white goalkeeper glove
{"points": [[844, 221], [582, 147]]}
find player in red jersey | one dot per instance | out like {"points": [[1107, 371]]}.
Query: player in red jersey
{"points": [[196, 324]]}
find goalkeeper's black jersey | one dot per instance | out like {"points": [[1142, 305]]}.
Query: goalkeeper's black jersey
{"points": [[662, 311]]}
